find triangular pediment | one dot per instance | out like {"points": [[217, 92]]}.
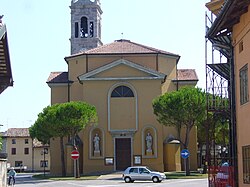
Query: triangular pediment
{"points": [[122, 70]]}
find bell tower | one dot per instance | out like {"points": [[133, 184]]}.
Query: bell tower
{"points": [[85, 25]]}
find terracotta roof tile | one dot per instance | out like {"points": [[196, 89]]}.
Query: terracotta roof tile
{"points": [[37, 143], [124, 47], [17, 132], [187, 75], [58, 77]]}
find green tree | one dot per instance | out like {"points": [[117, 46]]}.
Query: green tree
{"points": [[215, 127], [61, 120], [182, 109]]}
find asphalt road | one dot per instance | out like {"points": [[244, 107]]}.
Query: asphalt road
{"points": [[26, 180]]}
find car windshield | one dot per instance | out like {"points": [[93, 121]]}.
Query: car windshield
{"points": [[148, 168]]}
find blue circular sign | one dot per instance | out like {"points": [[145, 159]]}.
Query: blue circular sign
{"points": [[185, 153]]}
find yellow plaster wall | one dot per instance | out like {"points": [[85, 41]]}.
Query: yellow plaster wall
{"points": [[59, 94], [96, 93], [55, 158], [172, 157], [19, 156], [122, 71], [123, 113], [168, 67], [241, 34], [76, 66], [38, 157]]}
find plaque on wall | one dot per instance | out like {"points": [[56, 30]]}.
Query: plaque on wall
{"points": [[109, 161], [137, 159]]}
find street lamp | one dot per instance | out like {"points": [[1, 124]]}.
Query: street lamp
{"points": [[44, 152]]}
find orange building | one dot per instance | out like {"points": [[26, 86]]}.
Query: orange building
{"points": [[120, 79], [229, 34]]}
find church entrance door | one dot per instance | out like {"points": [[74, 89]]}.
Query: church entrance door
{"points": [[123, 153]]}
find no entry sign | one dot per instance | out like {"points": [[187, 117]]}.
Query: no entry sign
{"points": [[75, 154]]}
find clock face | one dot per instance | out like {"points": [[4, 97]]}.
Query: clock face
{"points": [[82, 50]]}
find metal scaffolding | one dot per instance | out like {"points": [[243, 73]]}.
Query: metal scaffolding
{"points": [[217, 53], [220, 88]]}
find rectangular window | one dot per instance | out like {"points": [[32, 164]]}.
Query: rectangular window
{"points": [[244, 84], [44, 163], [26, 141], [26, 151], [76, 30], [18, 163], [91, 29], [246, 164], [13, 151], [13, 141], [241, 46]]}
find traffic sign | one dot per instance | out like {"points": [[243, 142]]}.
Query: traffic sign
{"points": [[185, 153], [75, 154]]}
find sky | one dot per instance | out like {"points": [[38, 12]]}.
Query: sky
{"points": [[39, 31]]}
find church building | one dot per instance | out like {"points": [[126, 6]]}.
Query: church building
{"points": [[120, 79]]}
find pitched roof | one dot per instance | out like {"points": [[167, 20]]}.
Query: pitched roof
{"points": [[187, 75], [17, 132], [124, 47], [229, 15], [38, 144], [58, 77]]}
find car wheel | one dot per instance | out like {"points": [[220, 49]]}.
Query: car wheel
{"points": [[127, 179], [155, 179]]}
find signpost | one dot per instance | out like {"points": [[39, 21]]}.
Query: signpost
{"points": [[75, 154], [185, 153]]}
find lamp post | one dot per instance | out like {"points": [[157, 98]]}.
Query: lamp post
{"points": [[44, 151]]}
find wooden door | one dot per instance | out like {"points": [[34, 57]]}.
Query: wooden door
{"points": [[123, 153]]}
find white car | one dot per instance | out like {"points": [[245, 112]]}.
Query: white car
{"points": [[142, 173]]}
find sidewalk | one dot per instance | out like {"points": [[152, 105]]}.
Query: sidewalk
{"points": [[111, 176]]}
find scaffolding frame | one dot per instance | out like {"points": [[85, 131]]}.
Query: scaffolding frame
{"points": [[220, 86]]}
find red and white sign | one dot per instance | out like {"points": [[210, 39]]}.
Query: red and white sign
{"points": [[75, 154]]}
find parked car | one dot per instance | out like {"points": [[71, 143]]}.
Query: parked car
{"points": [[142, 173]]}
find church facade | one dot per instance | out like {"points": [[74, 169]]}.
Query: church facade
{"points": [[120, 79]]}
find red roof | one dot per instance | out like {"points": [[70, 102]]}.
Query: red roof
{"points": [[58, 77], [124, 47], [187, 75]]}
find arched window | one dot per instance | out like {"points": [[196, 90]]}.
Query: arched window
{"points": [[84, 27], [122, 91]]}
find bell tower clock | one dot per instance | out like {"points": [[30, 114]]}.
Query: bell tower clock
{"points": [[85, 25]]}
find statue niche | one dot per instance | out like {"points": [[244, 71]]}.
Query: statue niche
{"points": [[96, 145]]}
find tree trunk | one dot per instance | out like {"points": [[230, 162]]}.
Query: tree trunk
{"points": [[187, 167], [62, 157], [200, 155], [188, 129]]}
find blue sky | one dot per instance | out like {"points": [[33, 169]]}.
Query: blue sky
{"points": [[39, 32]]}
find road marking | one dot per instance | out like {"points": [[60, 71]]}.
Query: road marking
{"points": [[74, 184]]}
